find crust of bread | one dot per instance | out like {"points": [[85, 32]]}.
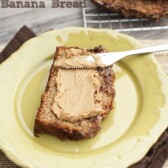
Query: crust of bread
{"points": [[46, 122]]}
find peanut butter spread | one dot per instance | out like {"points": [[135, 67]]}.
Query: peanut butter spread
{"points": [[77, 95]]}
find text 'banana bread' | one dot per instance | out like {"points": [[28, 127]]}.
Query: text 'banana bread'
{"points": [[75, 101]]}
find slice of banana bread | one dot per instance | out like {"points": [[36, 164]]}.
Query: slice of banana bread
{"points": [[75, 112], [153, 9]]}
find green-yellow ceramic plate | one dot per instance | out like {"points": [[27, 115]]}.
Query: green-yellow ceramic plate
{"points": [[138, 119]]}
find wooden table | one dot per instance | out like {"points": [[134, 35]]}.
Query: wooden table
{"points": [[40, 20]]}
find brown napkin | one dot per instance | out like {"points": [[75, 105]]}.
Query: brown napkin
{"points": [[21, 36], [156, 156]]}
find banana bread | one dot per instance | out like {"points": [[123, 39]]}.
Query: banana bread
{"points": [[153, 9], [56, 120]]}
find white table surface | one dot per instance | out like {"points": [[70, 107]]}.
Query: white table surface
{"points": [[40, 20]]}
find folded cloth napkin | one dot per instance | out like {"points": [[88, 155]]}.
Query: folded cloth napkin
{"points": [[21, 36], [156, 156]]}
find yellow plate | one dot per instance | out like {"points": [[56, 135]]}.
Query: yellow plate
{"points": [[139, 117]]}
